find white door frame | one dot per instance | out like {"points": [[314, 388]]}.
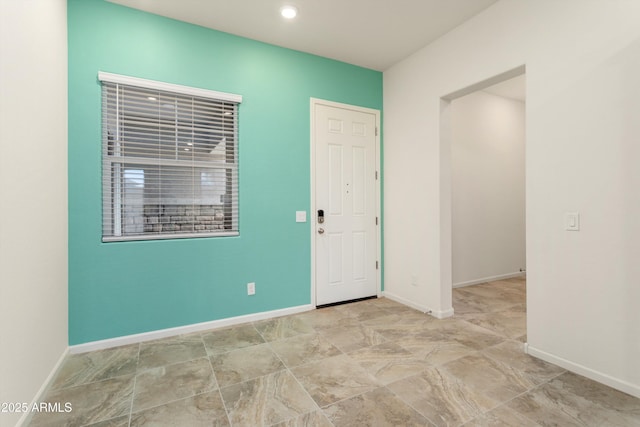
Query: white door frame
{"points": [[312, 213]]}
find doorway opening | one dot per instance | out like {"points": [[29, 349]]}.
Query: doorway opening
{"points": [[483, 146]]}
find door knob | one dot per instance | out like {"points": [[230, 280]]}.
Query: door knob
{"points": [[320, 230]]}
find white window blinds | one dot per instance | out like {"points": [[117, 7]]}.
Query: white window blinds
{"points": [[169, 160]]}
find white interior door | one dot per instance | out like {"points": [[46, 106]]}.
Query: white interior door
{"points": [[345, 192]]}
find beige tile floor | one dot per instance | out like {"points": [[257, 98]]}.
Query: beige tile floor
{"points": [[370, 363]]}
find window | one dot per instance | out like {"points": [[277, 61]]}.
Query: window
{"points": [[169, 160]]}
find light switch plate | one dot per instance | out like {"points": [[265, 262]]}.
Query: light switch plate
{"points": [[301, 216], [572, 221]]}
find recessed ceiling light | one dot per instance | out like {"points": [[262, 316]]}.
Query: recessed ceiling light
{"points": [[289, 12], [152, 98]]}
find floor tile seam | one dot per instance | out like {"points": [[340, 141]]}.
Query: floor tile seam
{"points": [[477, 350], [224, 405], [509, 385], [170, 364], [409, 375], [529, 376], [204, 347], [253, 323], [483, 315], [213, 372], [344, 354], [311, 361], [443, 370], [204, 344], [170, 402], [314, 361], [408, 359], [435, 365], [133, 394], [506, 340], [506, 402], [278, 356], [297, 380], [138, 356], [339, 347], [473, 352], [362, 367], [72, 356], [410, 405], [170, 341], [488, 331], [225, 328], [210, 355], [483, 351], [322, 408], [65, 389], [234, 349], [215, 386], [284, 368]]}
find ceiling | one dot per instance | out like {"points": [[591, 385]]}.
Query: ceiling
{"points": [[373, 34]]}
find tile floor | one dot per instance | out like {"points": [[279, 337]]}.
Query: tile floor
{"points": [[370, 363]]}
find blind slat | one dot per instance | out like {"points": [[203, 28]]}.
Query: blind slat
{"points": [[170, 164]]}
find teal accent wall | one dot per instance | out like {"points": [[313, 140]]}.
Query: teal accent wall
{"points": [[124, 288]]}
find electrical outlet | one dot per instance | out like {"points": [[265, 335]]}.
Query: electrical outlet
{"points": [[251, 288]]}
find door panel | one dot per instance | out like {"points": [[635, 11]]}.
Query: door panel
{"points": [[334, 176], [335, 259], [345, 252], [359, 190], [359, 269]]}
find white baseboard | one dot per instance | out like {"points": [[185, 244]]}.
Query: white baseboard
{"points": [[439, 314], [618, 384], [26, 417], [187, 329], [489, 279]]}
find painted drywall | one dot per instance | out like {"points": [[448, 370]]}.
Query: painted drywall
{"points": [[118, 289], [33, 190], [487, 180], [583, 93]]}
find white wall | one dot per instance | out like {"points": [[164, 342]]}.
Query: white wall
{"points": [[582, 62], [488, 218], [33, 191]]}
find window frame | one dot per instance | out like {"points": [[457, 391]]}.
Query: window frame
{"points": [[112, 189]]}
